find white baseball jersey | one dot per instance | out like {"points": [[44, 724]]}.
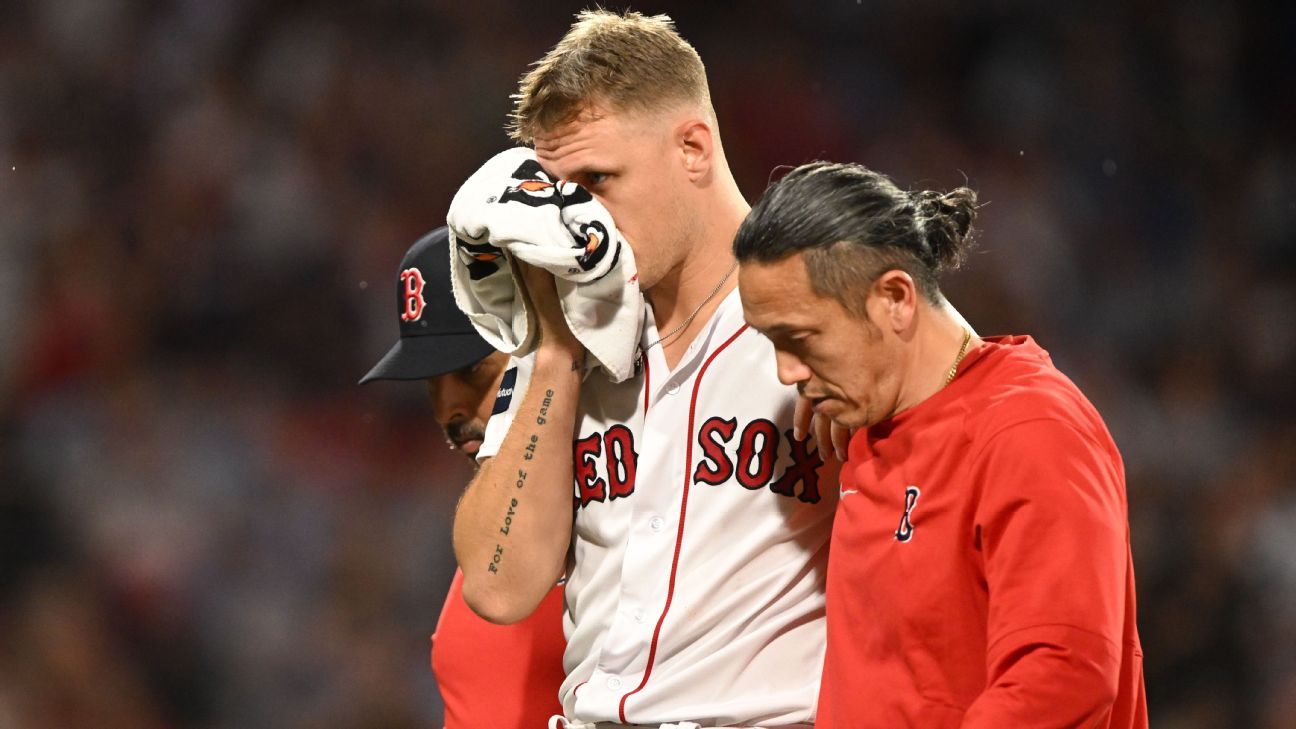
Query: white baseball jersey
{"points": [[700, 542]]}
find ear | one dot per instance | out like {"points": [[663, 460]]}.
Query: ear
{"points": [[696, 145], [893, 300]]}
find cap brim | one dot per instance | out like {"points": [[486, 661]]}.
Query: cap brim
{"points": [[422, 358]]}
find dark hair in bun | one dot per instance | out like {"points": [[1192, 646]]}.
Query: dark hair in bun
{"points": [[854, 224], [945, 220]]}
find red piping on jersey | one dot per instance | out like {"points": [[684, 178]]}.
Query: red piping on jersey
{"points": [[647, 383], [679, 533]]}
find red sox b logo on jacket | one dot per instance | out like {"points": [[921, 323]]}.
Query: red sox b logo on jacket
{"points": [[905, 531], [605, 463]]}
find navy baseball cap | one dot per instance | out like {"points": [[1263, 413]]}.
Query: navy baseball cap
{"points": [[435, 337]]}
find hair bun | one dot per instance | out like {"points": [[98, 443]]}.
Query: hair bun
{"points": [[946, 222]]}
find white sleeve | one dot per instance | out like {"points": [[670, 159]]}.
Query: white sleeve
{"points": [[508, 399]]}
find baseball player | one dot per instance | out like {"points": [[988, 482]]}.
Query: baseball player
{"points": [[981, 573], [518, 687], [691, 523]]}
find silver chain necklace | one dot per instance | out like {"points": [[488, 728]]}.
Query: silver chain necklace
{"points": [[689, 319]]}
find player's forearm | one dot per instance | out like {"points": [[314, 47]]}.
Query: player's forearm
{"points": [[513, 525], [1050, 677]]}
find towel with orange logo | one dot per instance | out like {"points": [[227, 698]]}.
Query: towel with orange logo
{"points": [[512, 210]]}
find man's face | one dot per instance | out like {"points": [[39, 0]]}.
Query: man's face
{"points": [[846, 365], [462, 401], [629, 163]]}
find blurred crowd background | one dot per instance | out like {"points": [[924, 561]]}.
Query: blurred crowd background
{"points": [[205, 524]]}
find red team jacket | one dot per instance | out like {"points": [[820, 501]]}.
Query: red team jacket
{"points": [[980, 571], [504, 676]]}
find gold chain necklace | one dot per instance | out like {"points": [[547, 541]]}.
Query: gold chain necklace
{"points": [[953, 370]]}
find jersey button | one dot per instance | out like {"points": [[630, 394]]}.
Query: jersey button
{"points": [[638, 615], [656, 523], [673, 388], [614, 683]]}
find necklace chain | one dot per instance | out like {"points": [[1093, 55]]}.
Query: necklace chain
{"points": [[689, 319], [953, 370]]}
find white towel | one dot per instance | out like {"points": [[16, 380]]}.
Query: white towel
{"points": [[511, 210]]}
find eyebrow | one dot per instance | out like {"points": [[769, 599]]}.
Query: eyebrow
{"points": [[774, 329], [790, 329], [592, 168], [585, 169]]}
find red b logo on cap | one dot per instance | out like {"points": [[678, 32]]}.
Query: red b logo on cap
{"points": [[412, 283]]}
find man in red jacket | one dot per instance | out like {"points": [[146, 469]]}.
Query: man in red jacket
{"points": [[980, 572], [489, 675]]}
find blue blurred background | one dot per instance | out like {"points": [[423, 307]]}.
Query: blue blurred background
{"points": [[203, 521]]}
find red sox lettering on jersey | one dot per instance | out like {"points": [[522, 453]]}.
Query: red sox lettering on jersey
{"points": [[606, 463], [699, 541]]}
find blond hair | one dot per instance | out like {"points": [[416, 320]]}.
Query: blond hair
{"points": [[628, 62]]}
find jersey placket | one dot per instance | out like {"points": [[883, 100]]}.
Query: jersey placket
{"points": [[650, 544]]}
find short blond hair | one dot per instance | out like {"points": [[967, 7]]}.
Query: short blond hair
{"points": [[627, 61]]}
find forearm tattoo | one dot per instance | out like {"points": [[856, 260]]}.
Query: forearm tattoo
{"points": [[528, 454]]}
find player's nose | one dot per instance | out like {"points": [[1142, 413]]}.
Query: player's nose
{"points": [[791, 369], [450, 400]]}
